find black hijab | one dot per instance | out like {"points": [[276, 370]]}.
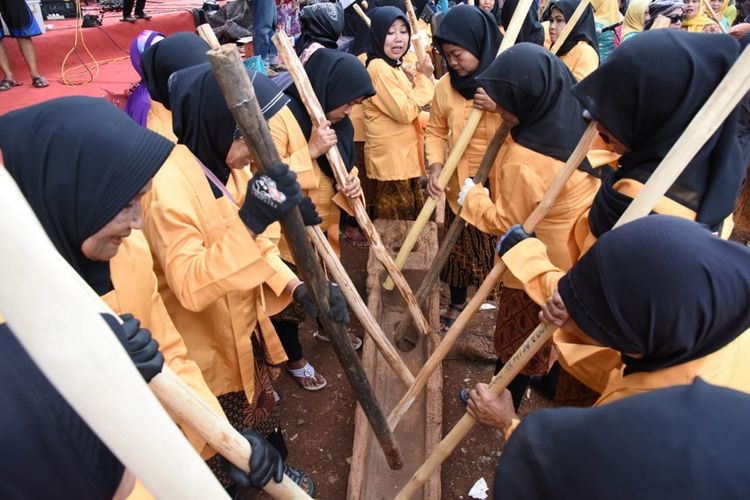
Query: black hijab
{"points": [[49, 451], [322, 23], [201, 120], [381, 20], [361, 40], [645, 95], [474, 30], [78, 162], [683, 442], [531, 30], [533, 84], [158, 62], [585, 28], [337, 79], [660, 286]]}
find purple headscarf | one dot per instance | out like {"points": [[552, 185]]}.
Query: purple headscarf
{"points": [[139, 102]]}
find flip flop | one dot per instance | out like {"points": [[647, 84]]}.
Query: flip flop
{"points": [[307, 378], [446, 322], [6, 85], [39, 82], [356, 341], [302, 479], [359, 242]]}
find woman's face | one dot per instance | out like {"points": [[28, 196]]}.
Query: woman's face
{"points": [[486, 5], [397, 40], [337, 114], [459, 59], [614, 145], [691, 8], [104, 244], [716, 5], [238, 155], [557, 24]]}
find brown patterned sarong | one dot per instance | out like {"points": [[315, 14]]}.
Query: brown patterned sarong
{"points": [[572, 392], [471, 258], [261, 414], [399, 200], [742, 215], [368, 185], [517, 317]]}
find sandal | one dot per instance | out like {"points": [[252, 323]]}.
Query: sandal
{"points": [[143, 16], [8, 84], [302, 480], [358, 241], [278, 396], [39, 82], [307, 378], [356, 341], [463, 396], [129, 19], [446, 322]]}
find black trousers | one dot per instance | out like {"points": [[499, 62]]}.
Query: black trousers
{"points": [[127, 7]]}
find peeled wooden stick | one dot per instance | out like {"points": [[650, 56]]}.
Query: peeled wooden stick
{"points": [[207, 34], [499, 382], [76, 350], [240, 96], [407, 343], [733, 87], [361, 13], [457, 151], [714, 17], [416, 39], [317, 116], [570, 25], [539, 213], [320, 242]]}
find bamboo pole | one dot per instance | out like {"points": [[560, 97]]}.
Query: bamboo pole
{"points": [[416, 39], [358, 306], [733, 87], [238, 92], [406, 342], [361, 13], [539, 213], [75, 349], [332, 262], [317, 116], [457, 151]]}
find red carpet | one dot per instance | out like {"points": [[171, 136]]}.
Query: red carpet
{"points": [[109, 45]]}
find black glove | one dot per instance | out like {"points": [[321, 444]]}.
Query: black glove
{"points": [[142, 348], [309, 214], [269, 196], [337, 305], [265, 463], [511, 238]]}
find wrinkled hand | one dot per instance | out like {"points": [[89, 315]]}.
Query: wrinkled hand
{"points": [[433, 186], [468, 186], [337, 311], [269, 197], [322, 138], [489, 409], [483, 102], [516, 234], [554, 311], [353, 187], [265, 464], [309, 213], [409, 71], [137, 341], [426, 67]]}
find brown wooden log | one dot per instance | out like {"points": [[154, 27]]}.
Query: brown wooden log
{"points": [[404, 337], [238, 92], [317, 116]]}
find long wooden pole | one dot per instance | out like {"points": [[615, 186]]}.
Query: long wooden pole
{"points": [[416, 38], [361, 13], [332, 262], [539, 213], [457, 151], [75, 349], [320, 242], [733, 87], [317, 116], [238, 92], [407, 342]]}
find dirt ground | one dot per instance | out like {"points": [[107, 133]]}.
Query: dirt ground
{"points": [[320, 425]]}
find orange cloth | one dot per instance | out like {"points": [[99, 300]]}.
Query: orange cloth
{"points": [[581, 60], [395, 140], [217, 282], [447, 118], [159, 120], [518, 185], [136, 292]]}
